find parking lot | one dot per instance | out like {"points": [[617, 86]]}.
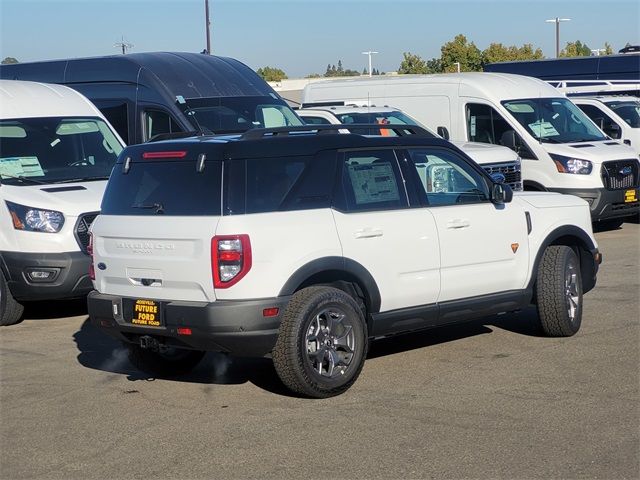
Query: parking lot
{"points": [[486, 399]]}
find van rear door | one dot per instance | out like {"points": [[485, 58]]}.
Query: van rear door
{"points": [[153, 237]]}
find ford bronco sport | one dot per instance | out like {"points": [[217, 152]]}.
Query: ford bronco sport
{"points": [[303, 246]]}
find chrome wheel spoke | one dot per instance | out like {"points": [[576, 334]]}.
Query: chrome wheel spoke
{"points": [[344, 341]]}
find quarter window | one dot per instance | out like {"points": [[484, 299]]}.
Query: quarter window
{"points": [[157, 122], [606, 123], [446, 179]]}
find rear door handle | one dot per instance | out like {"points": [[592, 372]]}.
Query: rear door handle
{"points": [[368, 233], [458, 223]]}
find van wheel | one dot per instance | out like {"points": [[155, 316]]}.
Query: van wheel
{"points": [[322, 342], [10, 310], [559, 292], [166, 362]]}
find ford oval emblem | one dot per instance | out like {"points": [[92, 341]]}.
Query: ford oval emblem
{"points": [[625, 170], [102, 266]]}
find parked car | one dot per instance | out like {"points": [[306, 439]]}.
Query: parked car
{"points": [[159, 93], [306, 245], [562, 150], [56, 153], [493, 158]]}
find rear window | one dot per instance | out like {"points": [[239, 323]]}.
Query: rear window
{"points": [[164, 188]]}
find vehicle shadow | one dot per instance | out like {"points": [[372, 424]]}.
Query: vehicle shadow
{"points": [[52, 309], [100, 352]]}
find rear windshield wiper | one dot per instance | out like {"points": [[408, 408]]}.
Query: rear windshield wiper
{"points": [[22, 179], [81, 179], [157, 206]]}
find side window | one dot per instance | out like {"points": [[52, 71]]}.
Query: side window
{"points": [[371, 180], [446, 179], [157, 122], [485, 125], [316, 121], [602, 120], [117, 114], [258, 185]]}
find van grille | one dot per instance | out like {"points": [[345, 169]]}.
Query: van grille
{"points": [[620, 174], [511, 172], [82, 229]]}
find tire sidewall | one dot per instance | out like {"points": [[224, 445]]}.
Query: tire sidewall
{"points": [[571, 257]]}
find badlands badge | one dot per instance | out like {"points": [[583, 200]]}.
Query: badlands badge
{"points": [[514, 247]]}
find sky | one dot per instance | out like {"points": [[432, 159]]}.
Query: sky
{"points": [[303, 36]]}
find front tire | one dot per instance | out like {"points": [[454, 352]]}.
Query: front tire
{"points": [[10, 310], [322, 343], [559, 292], [166, 362]]}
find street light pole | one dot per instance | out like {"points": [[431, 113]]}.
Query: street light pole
{"points": [[207, 26], [369, 53], [557, 21]]}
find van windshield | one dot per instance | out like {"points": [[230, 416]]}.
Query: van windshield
{"points": [[239, 114], [553, 120], [56, 150], [629, 111]]}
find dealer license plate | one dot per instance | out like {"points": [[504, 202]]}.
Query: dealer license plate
{"points": [[630, 196], [146, 313]]}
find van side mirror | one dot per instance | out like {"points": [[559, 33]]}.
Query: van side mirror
{"points": [[443, 132], [501, 193], [508, 139]]}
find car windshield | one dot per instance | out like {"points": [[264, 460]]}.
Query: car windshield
{"points": [[628, 110], [239, 114], [390, 117], [56, 150], [553, 120]]}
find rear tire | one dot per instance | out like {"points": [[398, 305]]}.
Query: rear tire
{"points": [[10, 310], [559, 292], [167, 362], [322, 343]]}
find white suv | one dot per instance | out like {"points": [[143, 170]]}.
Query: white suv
{"points": [[305, 246], [493, 158]]}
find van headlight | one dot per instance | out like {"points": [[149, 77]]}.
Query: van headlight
{"points": [[35, 219], [571, 165]]}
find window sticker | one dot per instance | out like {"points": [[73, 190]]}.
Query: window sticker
{"points": [[543, 129], [20, 167], [372, 183], [472, 126]]}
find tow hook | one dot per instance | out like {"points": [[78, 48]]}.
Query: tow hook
{"points": [[149, 343]]}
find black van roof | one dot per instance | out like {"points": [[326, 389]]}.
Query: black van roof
{"points": [[192, 75]]}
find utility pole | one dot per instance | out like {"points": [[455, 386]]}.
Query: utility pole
{"points": [[369, 53], [123, 45], [207, 26], [457, 64], [557, 21]]}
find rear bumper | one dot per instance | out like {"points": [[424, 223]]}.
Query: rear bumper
{"points": [[235, 327], [69, 275], [605, 204]]}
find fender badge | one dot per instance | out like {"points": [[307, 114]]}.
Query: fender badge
{"points": [[514, 247]]}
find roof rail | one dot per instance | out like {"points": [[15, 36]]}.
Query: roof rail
{"points": [[592, 87], [399, 130]]}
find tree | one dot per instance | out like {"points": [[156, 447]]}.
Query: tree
{"points": [[459, 50], [576, 49], [608, 50], [9, 60], [497, 52], [412, 64], [434, 65], [271, 74]]}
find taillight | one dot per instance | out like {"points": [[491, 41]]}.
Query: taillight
{"points": [[92, 270], [230, 259], [167, 154]]}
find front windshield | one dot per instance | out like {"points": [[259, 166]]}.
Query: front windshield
{"points": [[628, 110], [56, 150], [239, 114], [553, 120]]}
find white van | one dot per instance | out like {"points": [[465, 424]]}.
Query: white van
{"points": [[562, 150], [493, 158], [56, 154]]}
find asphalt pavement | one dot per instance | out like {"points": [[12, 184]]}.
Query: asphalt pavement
{"points": [[488, 399]]}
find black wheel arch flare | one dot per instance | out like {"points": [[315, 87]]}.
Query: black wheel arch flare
{"points": [[572, 236], [328, 269]]}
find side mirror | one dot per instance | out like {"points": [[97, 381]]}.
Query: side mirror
{"points": [[613, 130], [508, 139], [443, 132], [501, 193]]}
